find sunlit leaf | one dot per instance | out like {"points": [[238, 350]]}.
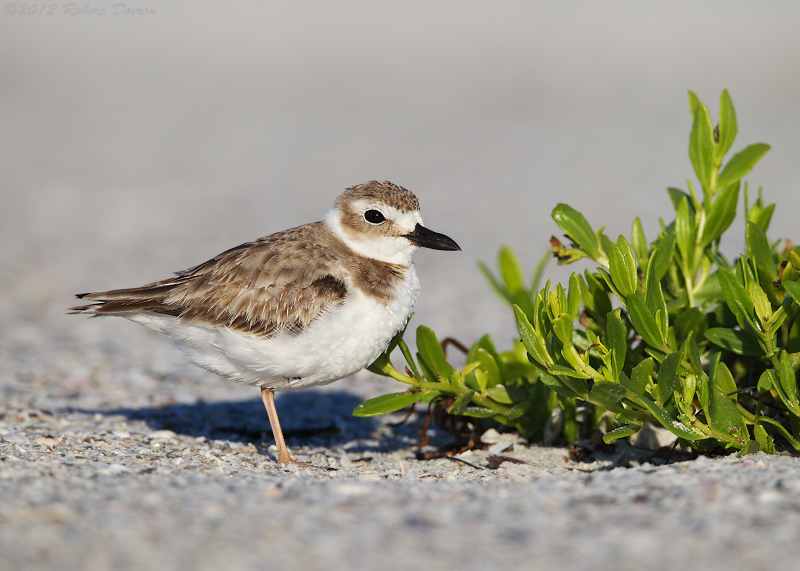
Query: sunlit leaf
{"points": [[685, 232], [562, 327], [666, 248], [793, 289], [511, 271], [385, 404], [499, 394], [432, 352], [621, 432], [577, 228], [734, 292], [533, 342], [638, 240], [789, 384], [644, 322], [701, 145], [727, 123], [489, 365], [742, 163], [722, 214]]}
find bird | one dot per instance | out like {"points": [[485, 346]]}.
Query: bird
{"points": [[298, 308]]}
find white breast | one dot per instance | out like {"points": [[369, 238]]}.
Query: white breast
{"points": [[336, 345]]}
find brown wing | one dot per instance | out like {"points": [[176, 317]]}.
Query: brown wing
{"points": [[282, 282]]}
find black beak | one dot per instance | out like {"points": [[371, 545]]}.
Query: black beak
{"points": [[425, 238]]}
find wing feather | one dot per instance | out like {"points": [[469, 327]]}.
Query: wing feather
{"points": [[261, 287]]}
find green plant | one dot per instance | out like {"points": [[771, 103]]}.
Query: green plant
{"points": [[707, 347]]}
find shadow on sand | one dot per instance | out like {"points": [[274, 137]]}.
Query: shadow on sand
{"points": [[308, 418]]}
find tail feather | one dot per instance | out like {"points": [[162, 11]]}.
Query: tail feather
{"points": [[150, 297]]}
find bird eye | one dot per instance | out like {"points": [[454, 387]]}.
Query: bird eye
{"points": [[374, 217]]}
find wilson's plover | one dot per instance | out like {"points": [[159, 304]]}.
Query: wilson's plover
{"points": [[302, 307]]}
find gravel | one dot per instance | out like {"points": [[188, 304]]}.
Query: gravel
{"points": [[143, 469]]}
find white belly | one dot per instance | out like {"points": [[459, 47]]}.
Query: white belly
{"points": [[334, 346]]}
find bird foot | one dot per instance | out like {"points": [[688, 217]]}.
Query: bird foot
{"points": [[286, 463]]}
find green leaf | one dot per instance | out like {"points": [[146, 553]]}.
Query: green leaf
{"points": [[623, 267], [765, 441], [760, 301], [554, 383], [640, 377], [764, 217], [675, 427], [511, 271], [702, 146], [694, 355], [676, 195], [722, 214], [595, 298], [738, 342], [758, 249], [742, 163], [668, 376], [653, 295], [725, 417], [724, 380], [750, 447], [488, 365], [767, 379], [432, 353], [496, 286], [617, 341], [562, 327], [694, 102], [611, 285], [734, 292], [387, 403], [608, 393], [727, 123], [703, 390], [686, 233], [461, 402], [534, 343], [499, 394], [793, 289], [478, 412], [789, 384], [566, 371], [519, 409], [644, 322], [481, 380], [621, 432], [638, 240], [691, 319], [577, 228], [666, 247], [573, 297]]}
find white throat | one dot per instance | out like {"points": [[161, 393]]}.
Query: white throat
{"points": [[391, 249]]}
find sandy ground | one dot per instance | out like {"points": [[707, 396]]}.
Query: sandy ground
{"points": [[134, 146]]}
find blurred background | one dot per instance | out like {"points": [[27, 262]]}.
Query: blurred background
{"points": [[132, 146]]}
